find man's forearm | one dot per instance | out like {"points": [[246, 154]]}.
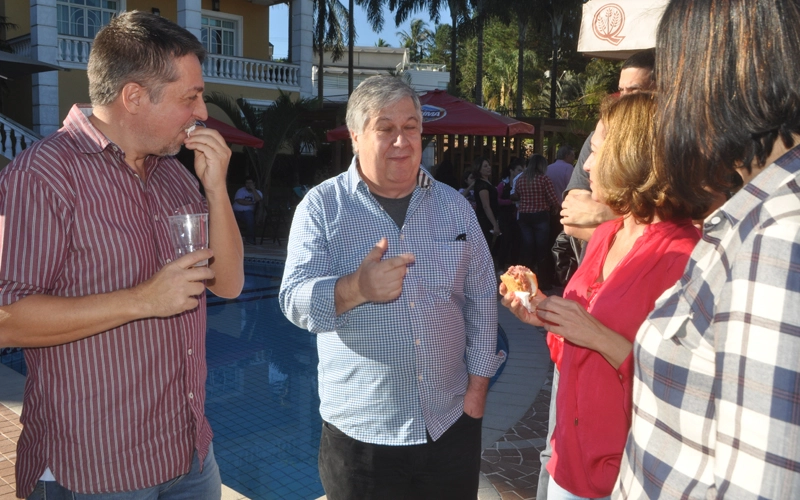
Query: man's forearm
{"points": [[582, 233], [44, 320], [226, 242], [475, 398]]}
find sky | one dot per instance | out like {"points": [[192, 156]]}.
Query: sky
{"points": [[279, 27]]}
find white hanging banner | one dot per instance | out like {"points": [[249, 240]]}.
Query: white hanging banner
{"points": [[616, 29]]}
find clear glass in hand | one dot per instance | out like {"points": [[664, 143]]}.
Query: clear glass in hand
{"points": [[189, 232]]}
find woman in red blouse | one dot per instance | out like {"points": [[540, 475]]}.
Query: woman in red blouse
{"points": [[628, 264]]}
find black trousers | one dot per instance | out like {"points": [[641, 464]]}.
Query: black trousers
{"points": [[447, 468]]}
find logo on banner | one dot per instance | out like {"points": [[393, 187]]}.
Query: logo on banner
{"points": [[432, 113], [608, 23]]}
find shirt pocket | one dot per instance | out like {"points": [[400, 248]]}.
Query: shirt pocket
{"points": [[447, 267], [682, 331]]}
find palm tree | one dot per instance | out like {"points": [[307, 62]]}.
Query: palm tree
{"points": [[276, 126], [417, 40], [330, 17], [458, 11], [439, 50], [382, 43]]}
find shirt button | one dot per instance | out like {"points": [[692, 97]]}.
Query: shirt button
{"points": [[169, 260], [715, 220], [190, 352], [417, 342], [402, 237], [420, 378], [411, 305], [191, 395]]}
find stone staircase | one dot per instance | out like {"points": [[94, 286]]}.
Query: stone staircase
{"points": [[14, 138]]}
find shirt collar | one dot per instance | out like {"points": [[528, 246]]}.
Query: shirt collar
{"points": [[90, 140], [763, 185], [86, 136], [353, 178]]}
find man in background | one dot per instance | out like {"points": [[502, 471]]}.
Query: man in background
{"points": [[560, 171], [580, 215], [244, 208], [115, 392]]}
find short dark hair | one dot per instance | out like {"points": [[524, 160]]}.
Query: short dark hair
{"points": [[564, 151], [733, 89], [137, 47], [645, 59]]}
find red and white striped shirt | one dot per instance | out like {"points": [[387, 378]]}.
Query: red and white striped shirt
{"points": [[121, 410], [535, 195]]}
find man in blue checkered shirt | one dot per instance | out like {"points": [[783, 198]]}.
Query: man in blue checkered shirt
{"points": [[389, 267]]}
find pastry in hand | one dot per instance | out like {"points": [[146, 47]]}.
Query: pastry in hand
{"points": [[522, 281]]}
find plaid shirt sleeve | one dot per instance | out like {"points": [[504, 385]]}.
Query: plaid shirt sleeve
{"points": [[716, 407]]}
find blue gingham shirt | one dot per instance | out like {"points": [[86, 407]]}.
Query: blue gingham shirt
{"points": [[388, 371], [717, 382]]}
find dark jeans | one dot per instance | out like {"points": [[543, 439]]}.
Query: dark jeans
{"points": [[535, 231], [447, 468], [248, 219], [507, 245]]}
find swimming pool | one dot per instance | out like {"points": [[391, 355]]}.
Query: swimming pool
{"points": [[262, 398]]}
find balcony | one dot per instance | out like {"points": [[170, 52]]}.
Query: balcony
{"points": [[73, 52], [251, 72]]}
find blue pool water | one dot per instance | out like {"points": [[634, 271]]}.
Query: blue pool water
{"points": [[262, 397]]}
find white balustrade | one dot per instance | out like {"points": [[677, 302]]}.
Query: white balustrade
{"points": [[21, 46], [14, 138], [241, 70], [74, 50]]}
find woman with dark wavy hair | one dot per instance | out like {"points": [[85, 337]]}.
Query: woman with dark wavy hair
{"points": [[629, 262], [716, 411]]}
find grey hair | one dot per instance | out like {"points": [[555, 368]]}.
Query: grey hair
{"points": [[137, 47], [374, 94]]}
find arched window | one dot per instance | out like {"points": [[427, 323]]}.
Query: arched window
{"points": [[84, 18]]}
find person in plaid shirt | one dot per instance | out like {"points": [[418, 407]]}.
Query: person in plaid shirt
{"points": [[537, 197], [716, 409]]}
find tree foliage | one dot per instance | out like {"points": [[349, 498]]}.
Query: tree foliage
{"points": [[277, 126], [418, 40], [331, 21]]}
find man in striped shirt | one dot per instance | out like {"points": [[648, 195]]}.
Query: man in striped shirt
{"points": [[112, 322]]}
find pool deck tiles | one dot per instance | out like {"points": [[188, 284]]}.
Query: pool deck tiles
{"points": [[515, 423]]}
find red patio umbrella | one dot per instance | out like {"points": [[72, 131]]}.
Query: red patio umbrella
{"points": [[443, 114], [232, 134]]}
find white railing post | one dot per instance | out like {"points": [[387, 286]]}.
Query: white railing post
{"points": [[14, 138]]}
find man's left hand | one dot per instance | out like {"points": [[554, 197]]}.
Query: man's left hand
{"points": [[211, 158]]}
